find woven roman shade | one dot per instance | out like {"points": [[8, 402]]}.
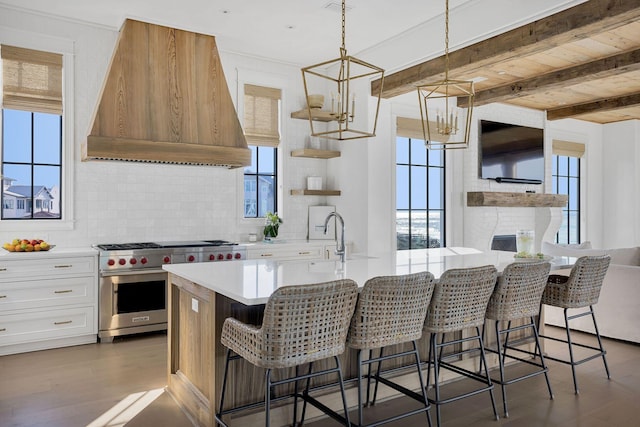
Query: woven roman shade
{"points": [[31, 80], [261, 115], [567, 148], [412, 128]]}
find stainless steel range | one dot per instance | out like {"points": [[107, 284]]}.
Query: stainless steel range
{"points": [[133, 286]]}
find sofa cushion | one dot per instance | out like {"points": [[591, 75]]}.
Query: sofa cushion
{"points": [[625, 256], [554, 249]]}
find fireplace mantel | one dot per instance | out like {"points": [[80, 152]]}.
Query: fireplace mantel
{"points": [[525, 200]]}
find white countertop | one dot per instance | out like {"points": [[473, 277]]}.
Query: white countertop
{"points": [[251, 282], [55, 252]]}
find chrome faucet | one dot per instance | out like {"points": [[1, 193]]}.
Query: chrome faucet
{"points": [[340, 250]]}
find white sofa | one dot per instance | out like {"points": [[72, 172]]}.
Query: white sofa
{"points": [[618, 308]]}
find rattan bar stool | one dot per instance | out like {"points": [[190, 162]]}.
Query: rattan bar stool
{"points": [[301, 324], [390, 311], [580, 289], [517, 296], [459, 302]]}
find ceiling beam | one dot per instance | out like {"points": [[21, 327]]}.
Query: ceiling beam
{"points": [[568, 25], [583, 73], [601, 105]]}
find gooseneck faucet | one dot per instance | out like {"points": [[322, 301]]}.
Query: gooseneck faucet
{"points": [[340, 248]]}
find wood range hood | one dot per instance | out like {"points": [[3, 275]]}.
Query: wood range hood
{"points": [[166, 100]]}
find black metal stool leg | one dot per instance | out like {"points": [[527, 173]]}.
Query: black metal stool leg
{"points": [[224, 385], [267, 399], [538, 350], [436, 369], [360, 403], [501, 366], [486, 370], [604, 358], [347, 422], [570, 344], [375, 389], [306, 393]]}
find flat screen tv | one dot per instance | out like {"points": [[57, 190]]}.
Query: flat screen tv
{"points": [[511, 153]]}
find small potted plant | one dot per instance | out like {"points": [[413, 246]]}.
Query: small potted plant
{"points": [[271, 225]]}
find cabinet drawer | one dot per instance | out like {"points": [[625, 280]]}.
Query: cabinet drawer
{"points": [[315, 252], [47, 324], [30, 268], [16, 295]]}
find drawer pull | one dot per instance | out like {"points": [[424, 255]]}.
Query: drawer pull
{"points": [[3, 269], [66, 291], [266, 254], [3, 296], [3, 329], [63, 266], [65, 322], [304, 253]]}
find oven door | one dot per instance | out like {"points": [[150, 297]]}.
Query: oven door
{"points": [[133, 302]]}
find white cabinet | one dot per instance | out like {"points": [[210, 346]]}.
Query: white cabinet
{"points": [[286, 251], [48, 300]]}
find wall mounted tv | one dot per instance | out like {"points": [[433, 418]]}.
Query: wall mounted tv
{"points": [[511, 153]]}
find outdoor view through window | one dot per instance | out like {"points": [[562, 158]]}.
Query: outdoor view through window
{"points": [[420, 208], [31, 165]]}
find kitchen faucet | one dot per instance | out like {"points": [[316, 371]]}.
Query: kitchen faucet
{"points": [[340, 248]]}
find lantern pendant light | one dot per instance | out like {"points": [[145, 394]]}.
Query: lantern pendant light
{"points": [[444, 124], [339, 78]]}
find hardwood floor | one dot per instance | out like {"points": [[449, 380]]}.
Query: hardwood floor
{"points": [[100, 385]]}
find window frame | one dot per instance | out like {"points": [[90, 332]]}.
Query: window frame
{"points": [[443, 210], [566, 212], [65, 47]]}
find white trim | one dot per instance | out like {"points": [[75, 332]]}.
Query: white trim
{"points": [[65, 47]]}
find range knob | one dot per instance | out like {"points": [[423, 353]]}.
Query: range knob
{"points": [[166, 260], [212, 257], [111, 262], [191, 258], [220, 256], [229, 256], [143, 260], [237, 255], [122, 261], [133, 261]]}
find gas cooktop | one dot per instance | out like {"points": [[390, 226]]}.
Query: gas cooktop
{"points": [[167, 244]]}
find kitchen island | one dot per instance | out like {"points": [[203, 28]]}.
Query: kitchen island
{"points": [[203, 295]]}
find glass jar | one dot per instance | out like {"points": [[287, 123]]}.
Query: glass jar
{"points": [[525, 242]]}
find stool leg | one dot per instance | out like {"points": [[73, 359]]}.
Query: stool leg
{"points": [[224, 384], [267, 399], [573, 364], [486, 370], [366, 402], [542, 362], [360, 404], [501, 365], [604, 358], [422, 385], [347, 422], [295, 398], [436, 368], [306, 393], [375, 389]]}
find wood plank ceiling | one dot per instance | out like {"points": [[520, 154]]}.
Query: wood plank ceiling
{"points": [[582, 63]]}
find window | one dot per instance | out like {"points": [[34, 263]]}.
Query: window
{"points": [[565, 178], [420, 203], [262, 130], [31, 134]]}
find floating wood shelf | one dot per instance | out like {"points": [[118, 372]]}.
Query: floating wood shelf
{"points": [[306, 192], [316, 114], [315, 154], [496, 198]]}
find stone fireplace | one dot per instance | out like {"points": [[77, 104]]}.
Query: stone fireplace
{"points": [[490, 214]]}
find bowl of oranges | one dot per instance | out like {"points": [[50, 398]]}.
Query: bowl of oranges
{"points": [[27, 245]]}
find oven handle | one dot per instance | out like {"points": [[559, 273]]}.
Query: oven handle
{"points": [[130, 272]]}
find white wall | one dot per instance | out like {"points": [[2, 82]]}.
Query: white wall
{"points": [[621, 184], [119, 202]]}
